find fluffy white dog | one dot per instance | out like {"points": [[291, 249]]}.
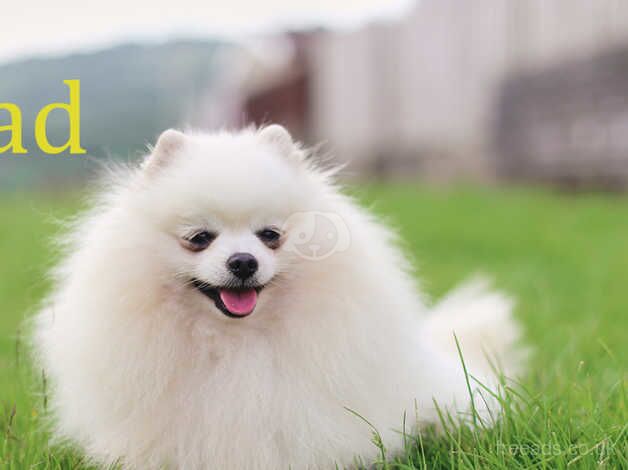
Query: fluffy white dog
{"points": [[224, 306]]}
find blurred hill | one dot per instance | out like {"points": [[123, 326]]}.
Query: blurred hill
{"points": [[129, 94]]}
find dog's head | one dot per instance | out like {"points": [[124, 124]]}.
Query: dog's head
{"points": [[227, 206]]}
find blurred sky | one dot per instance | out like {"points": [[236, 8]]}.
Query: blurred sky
{"points": [[35, 27]]}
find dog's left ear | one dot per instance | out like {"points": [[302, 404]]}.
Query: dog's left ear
{"points": [[169, 143], [280, 139]]}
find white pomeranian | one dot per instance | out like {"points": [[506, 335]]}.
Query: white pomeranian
{"points": [[225, 306]]}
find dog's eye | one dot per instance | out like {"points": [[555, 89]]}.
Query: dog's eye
{"points": [[198, 241], [270, 237]]}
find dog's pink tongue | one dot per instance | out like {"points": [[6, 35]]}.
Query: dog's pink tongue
{"points": [[239, 302]]}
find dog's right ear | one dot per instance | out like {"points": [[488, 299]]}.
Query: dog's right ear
{"points": [[169, 143]]}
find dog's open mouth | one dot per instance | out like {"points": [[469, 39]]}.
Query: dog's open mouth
{"points": [[233, 302]]}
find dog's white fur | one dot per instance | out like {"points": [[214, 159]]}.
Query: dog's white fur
{"points": [[149, 373]]}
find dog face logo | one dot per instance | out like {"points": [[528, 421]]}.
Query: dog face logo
{"points": [[317, 235]]}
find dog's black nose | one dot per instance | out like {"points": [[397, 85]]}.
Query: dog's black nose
{"points": [[242, 265]]}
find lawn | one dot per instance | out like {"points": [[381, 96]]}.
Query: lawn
{"points": [[563, 257]]}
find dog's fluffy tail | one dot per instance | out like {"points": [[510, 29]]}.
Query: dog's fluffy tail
{"points": [[482, 321]]}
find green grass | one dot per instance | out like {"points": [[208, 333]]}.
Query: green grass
{"points": [[564, 258]]}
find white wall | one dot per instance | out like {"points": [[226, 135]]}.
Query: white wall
{"points": [[428, 83]]}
